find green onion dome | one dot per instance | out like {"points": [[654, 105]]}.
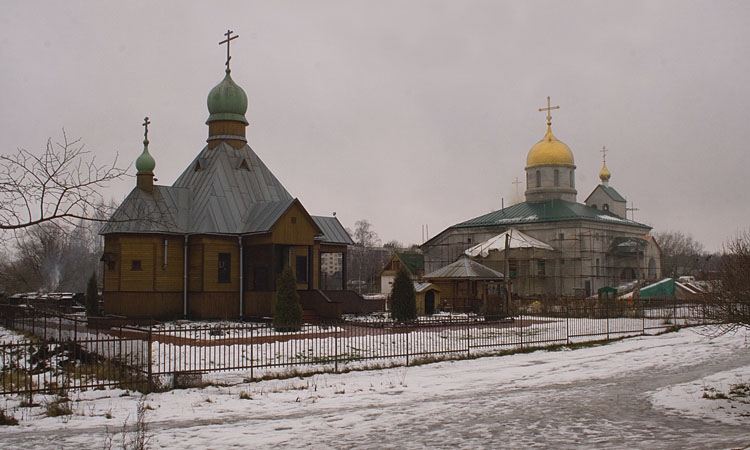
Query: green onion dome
{"points": [[227, 101], [145, 163]]}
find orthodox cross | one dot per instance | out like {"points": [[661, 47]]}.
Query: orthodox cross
{"points": [[549, 111], [229, 38], [604, 154], [632, 210], [146, 123], [516, 183]]}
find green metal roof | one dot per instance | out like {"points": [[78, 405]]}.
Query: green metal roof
{"points": [[549, 211], [612, 193], [414, 262]]}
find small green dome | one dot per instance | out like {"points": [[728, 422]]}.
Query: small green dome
{"points": [[145, 163], [227, 101]]}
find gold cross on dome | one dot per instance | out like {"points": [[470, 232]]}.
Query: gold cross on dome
{"points": [[146, 123], [604, 153], [549, 111], [229, 38]]}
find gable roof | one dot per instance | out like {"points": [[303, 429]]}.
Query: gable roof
{"points": [[414, 262], [610, 191], [333, 231]]}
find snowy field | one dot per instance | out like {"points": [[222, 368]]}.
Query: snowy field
{"points": [[641, 392]]}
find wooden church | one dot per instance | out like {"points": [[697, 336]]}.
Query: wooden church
{"points": [[213, 244]]}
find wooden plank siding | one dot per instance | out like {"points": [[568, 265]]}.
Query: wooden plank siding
{"points": [[295, 227], [156, 288]]}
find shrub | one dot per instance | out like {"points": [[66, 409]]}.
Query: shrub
{"points": [[287, 312], [403, 298], [7, 419]]}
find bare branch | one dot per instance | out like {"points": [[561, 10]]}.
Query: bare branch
{"points": [[63, 183]]}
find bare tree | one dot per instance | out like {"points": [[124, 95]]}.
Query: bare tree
{"points": [[729, 301], [681, 254], [51, 257], [366, 257], [62, 184]]}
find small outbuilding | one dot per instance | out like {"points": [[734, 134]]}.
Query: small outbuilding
{"points": [[467, 286]]}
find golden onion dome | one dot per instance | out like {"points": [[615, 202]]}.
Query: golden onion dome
{"points": [[550, 152], [604, 175]]}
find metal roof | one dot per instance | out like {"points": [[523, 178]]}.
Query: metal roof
{"points": [[333, 231], [464, 269], [517, 240], [223, 191], [549, 211], [163, 210], [609, 190], [420, 286], [414, 262]]}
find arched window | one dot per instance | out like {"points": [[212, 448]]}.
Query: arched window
{"points": [[593, 206], [605, 207], [538, 179], [557, 177], [572, 180]]}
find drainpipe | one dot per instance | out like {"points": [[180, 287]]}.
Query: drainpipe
{"points": [[242, 272], [185, 279]]}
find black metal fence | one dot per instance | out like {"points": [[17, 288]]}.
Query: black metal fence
{"points": [[56, 352]]}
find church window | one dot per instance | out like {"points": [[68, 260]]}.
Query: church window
{"points": [[294, 219], [538, 178], [562, 236], [597, 267], [225, 266], [301, 268], [135, 264], [593, 206], [572, 180], [513, 268], [468, 240], [605, 207], [541, 268], [557, 177]]}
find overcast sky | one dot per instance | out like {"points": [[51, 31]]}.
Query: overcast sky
{"points": [[405, 112]]}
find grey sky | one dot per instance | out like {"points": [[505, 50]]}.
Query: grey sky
{"points": [[405, 112]]}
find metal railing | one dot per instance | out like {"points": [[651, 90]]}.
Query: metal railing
{"points": [[59, 352]]}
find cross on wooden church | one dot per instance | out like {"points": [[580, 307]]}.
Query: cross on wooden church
{"points": [[229, 38], [146, 123], [549, 111], [604, 153]]}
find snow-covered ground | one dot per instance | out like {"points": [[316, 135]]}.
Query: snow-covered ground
{"points": [[642, 392]]}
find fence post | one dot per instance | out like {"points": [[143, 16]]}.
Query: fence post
{"points": [[468, 341], [149, 356], [643, 318], [252, 359], [407, 346], [336, 351], [606, 311], [567, 324], [520, 328]]}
